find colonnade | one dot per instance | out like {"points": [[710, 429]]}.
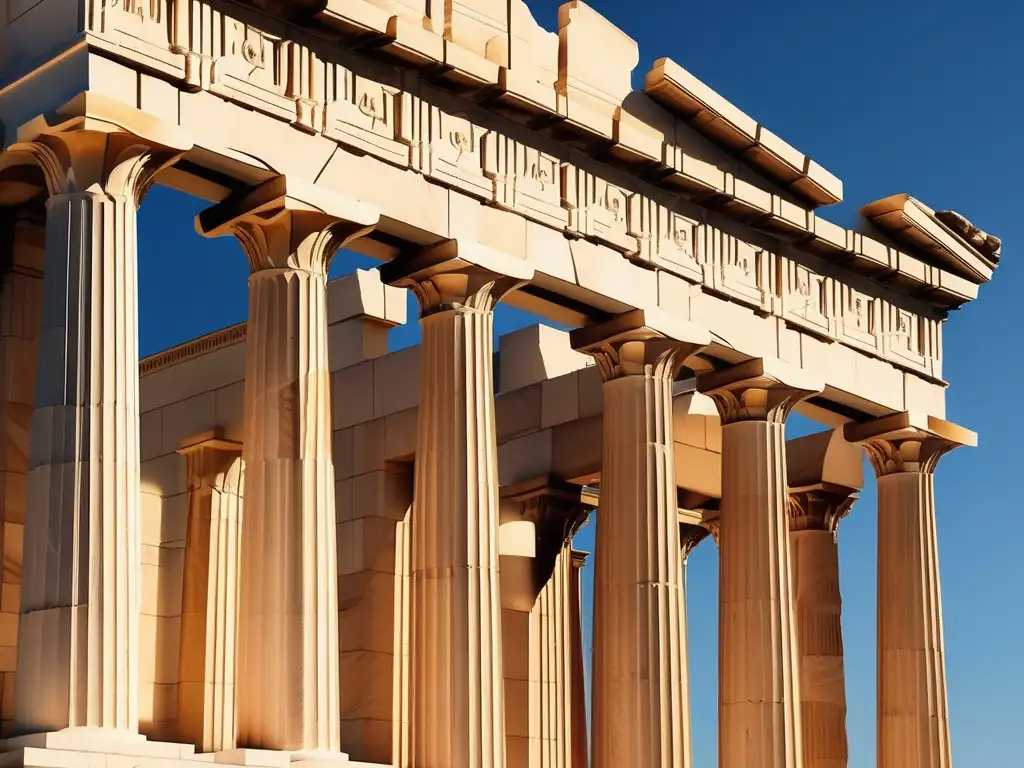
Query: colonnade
{"points": [[781, 700]]}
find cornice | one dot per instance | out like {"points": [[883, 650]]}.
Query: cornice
{"points": [[192, 349]]}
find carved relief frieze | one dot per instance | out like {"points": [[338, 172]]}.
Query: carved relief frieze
{"points": [[526, 180], [369, 116], [454, 152], [140, 26], [807, 299], [597, 210], [667, 239], [739, 270], [904, 337], [254, 67], [860, 325]]}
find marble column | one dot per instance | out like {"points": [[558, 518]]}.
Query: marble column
{"points": [[456, 699], [209, 605], [577, 690], [638, 708], [814, 515], [288, 653], [78, 656], [913, 714], [759, 690], [557, 513]]}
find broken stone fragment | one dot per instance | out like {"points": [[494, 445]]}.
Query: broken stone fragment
{"points": [[985, 243]]}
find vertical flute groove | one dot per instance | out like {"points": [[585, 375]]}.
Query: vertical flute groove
{"points": [[457, 717]]}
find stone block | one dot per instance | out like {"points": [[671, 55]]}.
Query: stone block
{"points": [[342, 451], [353, 395], [492, 227], [366, 604], [609, 275], [230, 410], [372, 701], [352, 341], [517, 413], [151, 434], [400, 431], [367, 740], [343, 500], [396, 382], [535, 354], [187, 418], [560, 400], [601, 80], [525, 458], [361, 294], [368, 447]]}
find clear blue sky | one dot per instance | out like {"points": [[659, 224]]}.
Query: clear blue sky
{"points": [[918, 97]]}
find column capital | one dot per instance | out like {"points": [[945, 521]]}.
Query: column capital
{"points": [[288, 224], [761, 389], [210, 458], [579, 558], [457, 274], [639, 342], [557, 509], [690, 535], [909, 441], [821, 508], [91, 144]]}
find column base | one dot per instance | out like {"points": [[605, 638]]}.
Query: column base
{"points": [[100, 748]]}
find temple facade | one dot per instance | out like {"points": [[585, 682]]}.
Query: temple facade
{"points": [[280, 543]]}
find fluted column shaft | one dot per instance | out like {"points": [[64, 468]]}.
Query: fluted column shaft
{"points": [[577, 683], [288, 652], [209, 613], [913, 716], [457, 708], [639, 705], [553, 656], [456, 703], [814, 519], [759, 687], [288, 649], [79, 624], [913, 712]]}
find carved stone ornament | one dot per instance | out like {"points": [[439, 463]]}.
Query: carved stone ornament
{"points": [[986, 244], [758, 390], [819, 509], [907, 441]]}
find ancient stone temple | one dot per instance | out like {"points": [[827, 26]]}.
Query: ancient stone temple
{"points": [[281, 544]]}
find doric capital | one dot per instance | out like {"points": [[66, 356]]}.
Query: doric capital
{"points": [[212, 461], [640, 342], [579, 558], [91, 144], [908, 441], [762, 389], [458, 274], [287, 224], [821, 508]]}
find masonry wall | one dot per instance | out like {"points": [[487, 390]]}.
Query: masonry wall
{"points": [[177, 402], [21, 258]]}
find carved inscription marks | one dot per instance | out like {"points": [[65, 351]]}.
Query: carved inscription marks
{"points": [[667, 239], [369, 116], [525, 179], [807, 299], [597, 209], [455, 152]]}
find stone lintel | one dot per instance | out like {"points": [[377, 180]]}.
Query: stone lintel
{"points": [[280, 195], [910, 425], [824, 459], [93, 112], [452, 256], [547, 485], [212, 438], [638, 325]]}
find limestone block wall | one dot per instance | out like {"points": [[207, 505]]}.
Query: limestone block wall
{"points": [[178, 400], [21, 256]]}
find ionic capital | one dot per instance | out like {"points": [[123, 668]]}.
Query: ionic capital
{"points": [[640, 342], [212, 461], [458, 275], [762, 389], [90, 145], [287, 224], [908, 442]]}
